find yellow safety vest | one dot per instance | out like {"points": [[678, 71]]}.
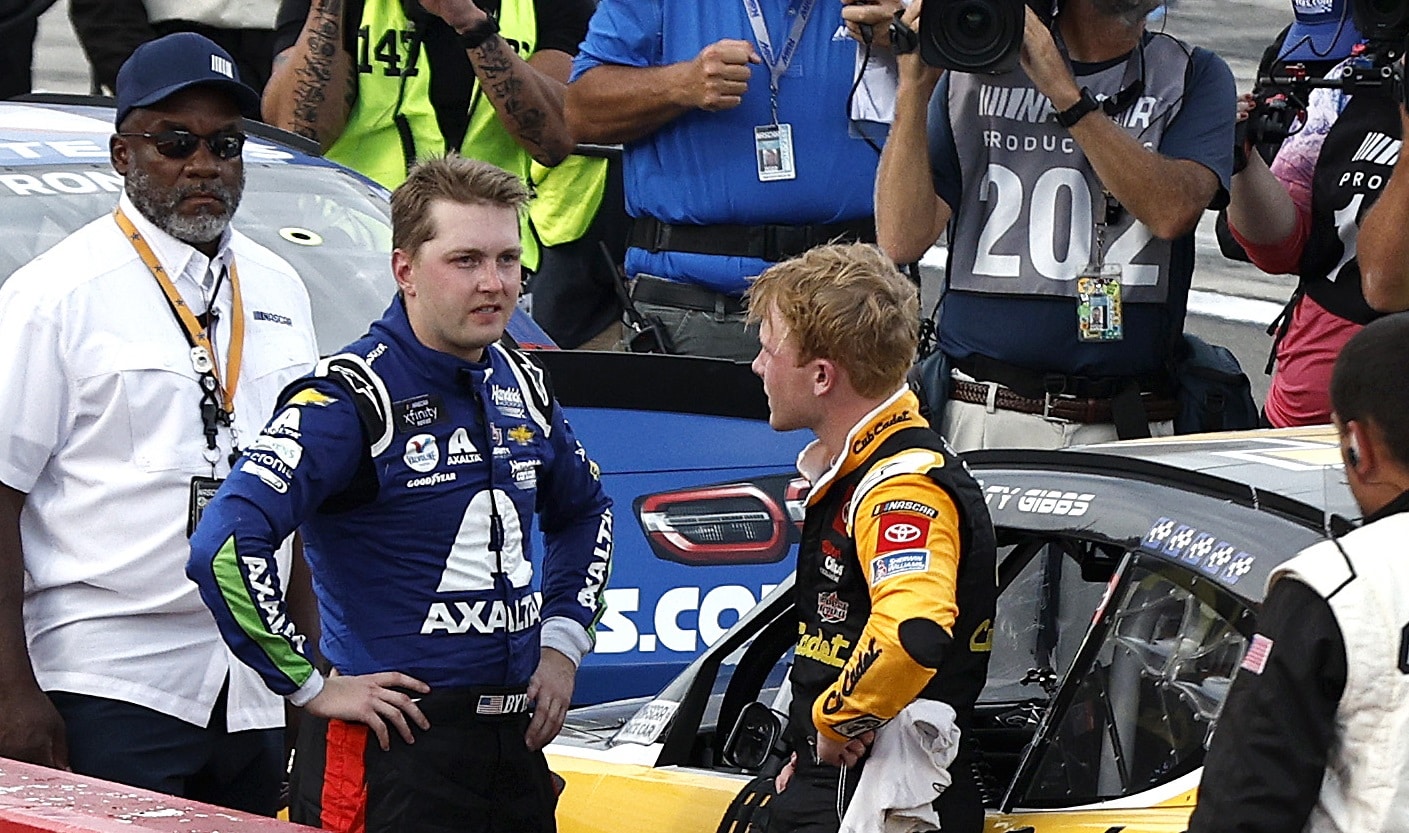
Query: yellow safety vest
{"points": [[393, 124]]}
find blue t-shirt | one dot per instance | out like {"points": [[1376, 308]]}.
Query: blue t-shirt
{"points": [[701, 168], [1046, 339]]}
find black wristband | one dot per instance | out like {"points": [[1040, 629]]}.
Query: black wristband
{"points": [[1084, 106], [475, 36]]}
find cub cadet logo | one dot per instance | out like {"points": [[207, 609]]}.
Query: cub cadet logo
{"points": [[982, 639], [267, 600], [818, 647], [851, 677], [871, 433], [1039, 501], [517, 616], [902, 533]]}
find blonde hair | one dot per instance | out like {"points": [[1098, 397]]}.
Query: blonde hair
{"points": [[453, 178], [846, 303]]}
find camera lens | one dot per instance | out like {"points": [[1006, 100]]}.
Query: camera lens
{"points": [[971, 35]]}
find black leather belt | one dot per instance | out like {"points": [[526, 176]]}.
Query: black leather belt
{"points": [[767, 242], [1070, 408], [652, 290]]}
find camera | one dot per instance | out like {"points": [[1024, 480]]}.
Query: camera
{"points": [[1271, 119], [972, 35], [1385, 25]]}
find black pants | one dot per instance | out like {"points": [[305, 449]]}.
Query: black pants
{"points": [[466, 774], [134, 745], [810, 803]]}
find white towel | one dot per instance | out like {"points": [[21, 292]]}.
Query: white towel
{"points": [[907, 769]]}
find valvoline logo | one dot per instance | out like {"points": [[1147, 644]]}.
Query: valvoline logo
{"points": [[422, 453]]}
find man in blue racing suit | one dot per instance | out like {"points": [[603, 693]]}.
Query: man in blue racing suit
{"points": [[413, 463]]}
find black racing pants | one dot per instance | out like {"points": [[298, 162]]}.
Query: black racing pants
{"points": [[468, 773], [811, 803]]}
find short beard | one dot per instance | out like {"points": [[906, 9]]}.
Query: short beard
{"points": [[159, 204], [1131, 12]]}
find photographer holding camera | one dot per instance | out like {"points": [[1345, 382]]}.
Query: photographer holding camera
{"points": [[1301, 216], [1069, 188]]}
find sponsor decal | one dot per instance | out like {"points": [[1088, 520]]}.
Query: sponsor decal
{"points": [[592, 467], [309, 396], [268, 477], [1039, 501], [432, 479], [906, 506], [831, 608], [901, 531], [223, 66], [646, 725], [509, 401], [898, 564], [273, 318], [851, 677], [1237, 568], [418, 412], [591, 593], [286, 424], [521, 434], [680, 620], [496, 435], [267, 599], [1182, 537], [289, 452], [832, 566], [858, 726], [461, 451], [484, 616], [501, 704], [817, 646], [1259, 649], [859, 444], [981, 640], [525, 473], [376, 353], [422, 452]]}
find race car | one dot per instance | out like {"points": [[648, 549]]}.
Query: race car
{"points": [[1130, 574]]}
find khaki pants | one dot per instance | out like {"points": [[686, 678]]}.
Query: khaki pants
{"points": [[968, 426]]}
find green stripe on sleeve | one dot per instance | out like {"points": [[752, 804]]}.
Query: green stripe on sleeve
{"points": [[243, 608]]}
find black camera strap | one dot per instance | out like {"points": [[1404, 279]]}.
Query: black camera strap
{"points": [[1132, 85]]}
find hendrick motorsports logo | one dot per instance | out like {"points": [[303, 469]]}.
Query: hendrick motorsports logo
{"points": [[422, 453]]}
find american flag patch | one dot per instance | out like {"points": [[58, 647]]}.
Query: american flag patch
{"points": [[1256, 658]]}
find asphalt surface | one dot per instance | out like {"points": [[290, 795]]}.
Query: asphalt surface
{"points": [[1232, 302]]}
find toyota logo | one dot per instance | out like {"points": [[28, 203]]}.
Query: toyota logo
{"points": [[902, 533]]}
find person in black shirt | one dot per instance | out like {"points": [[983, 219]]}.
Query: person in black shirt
{"points": [[1314, 735]]}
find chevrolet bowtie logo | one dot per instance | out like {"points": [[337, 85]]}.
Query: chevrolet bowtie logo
{"points": [[521, 434]]}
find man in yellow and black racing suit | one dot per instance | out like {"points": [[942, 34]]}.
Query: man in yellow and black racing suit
{"points": [[896, 577]]}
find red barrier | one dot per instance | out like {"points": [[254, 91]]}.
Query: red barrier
{"points": [[34, 799]]}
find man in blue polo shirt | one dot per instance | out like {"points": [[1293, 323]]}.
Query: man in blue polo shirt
{"points": [[739, 147]]}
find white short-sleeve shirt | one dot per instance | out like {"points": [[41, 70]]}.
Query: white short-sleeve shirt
{"points": [[100, 427]]}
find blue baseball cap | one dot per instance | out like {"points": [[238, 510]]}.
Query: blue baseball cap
{"points": [[161, 68], [1323, 31]]}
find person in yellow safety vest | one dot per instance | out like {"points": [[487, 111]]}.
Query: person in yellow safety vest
{"points": [[382, 84]]}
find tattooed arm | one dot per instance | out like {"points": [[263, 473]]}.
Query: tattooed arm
{"points": [[526, 95], [313, 85]]}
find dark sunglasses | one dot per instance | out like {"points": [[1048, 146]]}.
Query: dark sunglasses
{"points": [[179, 144]]}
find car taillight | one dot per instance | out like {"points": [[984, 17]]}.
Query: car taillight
{"points": [[728, 524]]}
